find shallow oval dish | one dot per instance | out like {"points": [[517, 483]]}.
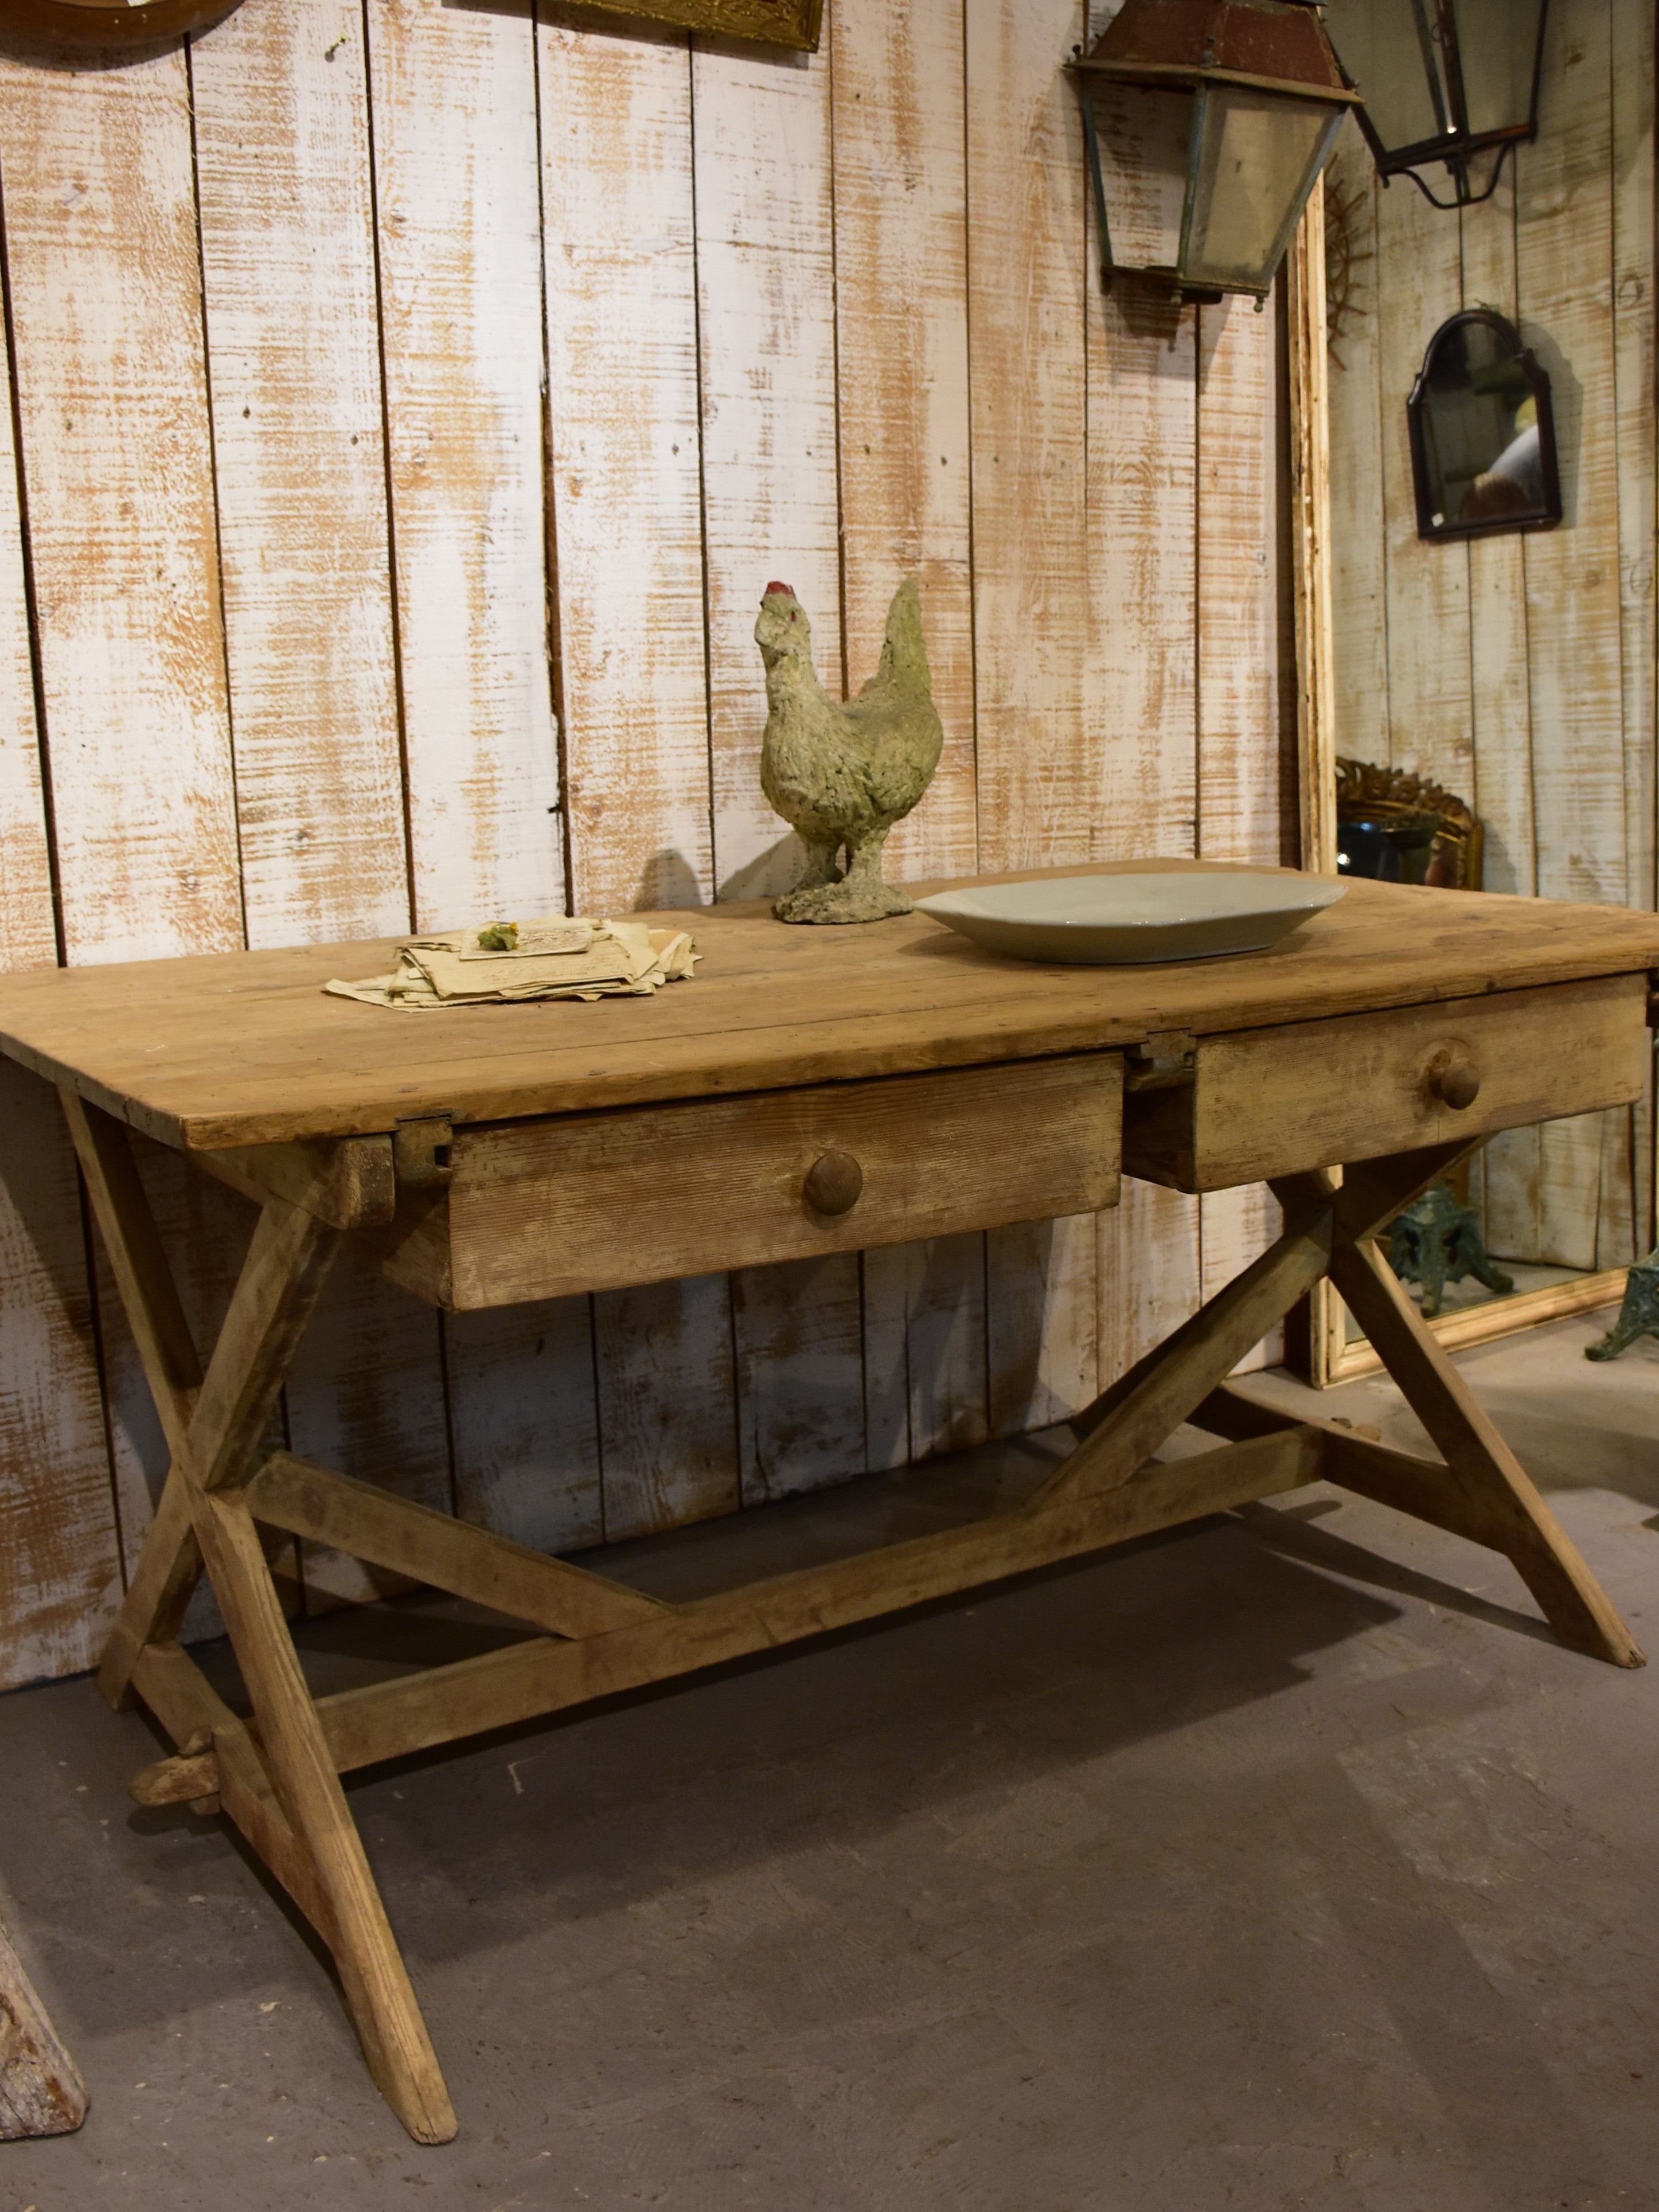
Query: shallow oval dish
{"points": [[1128, 921]]}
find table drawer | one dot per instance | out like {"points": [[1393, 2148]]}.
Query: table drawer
{"points": [[1314, 1094], [597, 1201]]}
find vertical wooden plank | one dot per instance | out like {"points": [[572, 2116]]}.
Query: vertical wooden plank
{"points": [[60, 1578], [1427, 584], [619, 257], [294, 357], [282, 134], [1563, 233], [59, 1567], [366, 1395], [766, 285], [1238, 589], [946, 1358], [1150, 1272], [1632, 50], [800, 1375], [1510, 1186], [1042, 1322], [668, 1432], [204, 1229], [1139, 639], [104, 292], [526, 1441], [900, 248], [458, 202], [106, 304], [900, 236], [1311, 358], [1238, 704], [1358, 404], [1501, 789], [766, 290], [1139, 647], [27, 936], [885, 1276], [1563, 264], [618, 264], [1039, 792]]}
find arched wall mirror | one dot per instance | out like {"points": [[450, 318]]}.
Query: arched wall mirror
{"points": [[1482, 433]]}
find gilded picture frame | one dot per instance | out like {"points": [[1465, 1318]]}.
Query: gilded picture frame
{"points": [[796, 23]]}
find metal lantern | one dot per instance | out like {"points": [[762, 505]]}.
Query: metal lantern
{"points": [[1443, 81], [1206, 122]]}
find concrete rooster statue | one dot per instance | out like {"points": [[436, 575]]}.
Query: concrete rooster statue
{"points": [[842, 775]]}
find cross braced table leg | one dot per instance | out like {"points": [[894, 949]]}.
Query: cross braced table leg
{"points": [[214, 1426]]}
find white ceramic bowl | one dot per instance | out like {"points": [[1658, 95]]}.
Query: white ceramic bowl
{"points": [[1109, 922]]}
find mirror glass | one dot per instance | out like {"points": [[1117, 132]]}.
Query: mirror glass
{"points": [[1482, 434]]}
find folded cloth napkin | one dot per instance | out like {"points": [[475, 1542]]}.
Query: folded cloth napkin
{"points": [[557, 958]]}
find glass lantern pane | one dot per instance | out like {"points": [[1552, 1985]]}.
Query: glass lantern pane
{"points": [[1498, 40], [1146, 137], [1257, 160], [1389, 49]]}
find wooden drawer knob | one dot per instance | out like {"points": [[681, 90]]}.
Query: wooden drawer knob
{"points": [[833, 1182], [1455, 1080]]}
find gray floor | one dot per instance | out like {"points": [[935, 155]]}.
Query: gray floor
{"points": [[1286, 1862]]}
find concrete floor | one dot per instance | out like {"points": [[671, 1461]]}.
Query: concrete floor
{"points": [[1284, 1862]]}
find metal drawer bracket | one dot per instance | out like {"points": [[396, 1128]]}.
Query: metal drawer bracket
{"points": [[1163, 1060], [421, 1150]]}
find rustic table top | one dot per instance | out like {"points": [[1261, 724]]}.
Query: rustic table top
{"points": [[236, 1049]]}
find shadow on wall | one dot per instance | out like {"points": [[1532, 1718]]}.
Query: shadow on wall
{"points": [[666, 881], [769, 874]]}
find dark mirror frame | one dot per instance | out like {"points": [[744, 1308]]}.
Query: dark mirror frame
{"points": [[1549, 513]]}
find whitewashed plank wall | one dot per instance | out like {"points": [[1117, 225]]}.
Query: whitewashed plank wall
{"points": [[1519, 671], [391, 379]]}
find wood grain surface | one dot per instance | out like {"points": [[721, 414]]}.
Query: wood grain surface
{"points": [[287, 260], [113, 503], [458, 207], [246, 1049], [624, 492]]}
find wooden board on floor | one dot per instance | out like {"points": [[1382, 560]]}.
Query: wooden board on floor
{"points": [[41, 2091]]}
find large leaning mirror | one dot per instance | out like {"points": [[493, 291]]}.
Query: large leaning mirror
{"points": [[1482, 433], [1420, 745]]}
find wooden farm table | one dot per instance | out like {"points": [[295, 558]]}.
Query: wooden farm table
{"points": [[813, 1090]]}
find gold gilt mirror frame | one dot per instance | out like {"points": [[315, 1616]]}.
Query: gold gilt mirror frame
{"points": [[1332, 1356]]}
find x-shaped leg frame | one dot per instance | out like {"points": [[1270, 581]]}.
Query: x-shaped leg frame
{"points": [[277, 1775]]}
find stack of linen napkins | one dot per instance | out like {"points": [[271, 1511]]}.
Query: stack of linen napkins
{"points": [[510, 960]]}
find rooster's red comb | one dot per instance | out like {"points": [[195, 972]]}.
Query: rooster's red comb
{"points": [[784, 588]]}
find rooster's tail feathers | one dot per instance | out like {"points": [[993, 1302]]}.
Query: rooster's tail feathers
{"points": [[904, 655]]}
